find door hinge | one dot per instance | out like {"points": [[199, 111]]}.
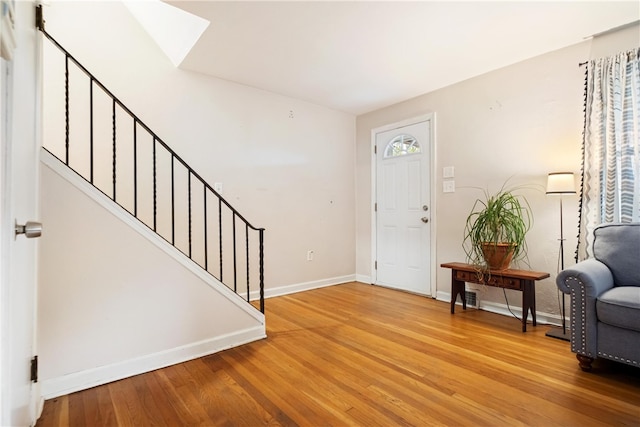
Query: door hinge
{"points": [[39, 18], [375, 265], [375, 207], [34, 369], [375, 149]]}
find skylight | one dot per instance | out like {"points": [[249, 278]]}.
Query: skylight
{"points": [[174, 30]]}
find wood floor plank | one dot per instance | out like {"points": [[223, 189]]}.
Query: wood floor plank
{"points": [[76, 409], [362, 355], [105, 407], [278, 415], [167, 408], [55, 412], [91, 407], [283, 391], [125, 403], [187, 408], [151, 409], [230, 401]]}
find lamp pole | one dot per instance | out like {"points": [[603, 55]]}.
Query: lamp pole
{"points": [[564, 318], [561, 183]]}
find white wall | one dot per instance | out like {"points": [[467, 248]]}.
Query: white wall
{"points": [[521, 121], [286, 165]]}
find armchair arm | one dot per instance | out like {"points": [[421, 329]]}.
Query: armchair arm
{"points": [[585, 281]]}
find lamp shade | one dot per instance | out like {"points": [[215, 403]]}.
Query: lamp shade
{"points": [[561, 183]]}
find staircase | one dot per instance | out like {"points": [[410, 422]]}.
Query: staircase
{"points": [[114, 151]]}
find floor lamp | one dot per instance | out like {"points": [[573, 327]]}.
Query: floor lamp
{"points": [[561, 184]]}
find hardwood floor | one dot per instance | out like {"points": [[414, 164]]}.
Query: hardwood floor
{"points": [[358, 354]]}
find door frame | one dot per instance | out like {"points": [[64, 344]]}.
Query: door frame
{"points": [[27, 59], [430, 117]]}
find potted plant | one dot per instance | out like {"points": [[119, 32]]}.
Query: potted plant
{"points": [[495, 230]]}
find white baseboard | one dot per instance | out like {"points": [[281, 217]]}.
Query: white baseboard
{"points": [[66, 384], [494, 307], [301, 287]]}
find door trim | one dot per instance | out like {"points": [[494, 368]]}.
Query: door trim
{"points": [[430, 117], [23, 129]]}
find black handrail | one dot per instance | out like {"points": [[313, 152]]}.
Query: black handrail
{"points": [[192, 176]]}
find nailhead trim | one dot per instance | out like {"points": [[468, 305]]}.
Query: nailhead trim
{"points": [[583, 321], [574, 341], [619, 359]]}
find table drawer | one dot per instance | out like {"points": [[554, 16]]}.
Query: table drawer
{"points": [[489, 280], [467, 276], [504, 282]]}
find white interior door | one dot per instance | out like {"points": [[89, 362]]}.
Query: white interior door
{"points": [[19, 188], [403, 211]]}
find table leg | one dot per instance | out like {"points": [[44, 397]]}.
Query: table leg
{"points": [[457, 288], [532, 295], [528, 303]]}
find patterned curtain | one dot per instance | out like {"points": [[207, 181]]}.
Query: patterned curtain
{"points": [[611, 146]]}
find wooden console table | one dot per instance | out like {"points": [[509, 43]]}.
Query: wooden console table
{"points": [[520, 280]]}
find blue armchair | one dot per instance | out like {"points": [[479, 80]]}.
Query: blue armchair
{"points": [[605, 297]]}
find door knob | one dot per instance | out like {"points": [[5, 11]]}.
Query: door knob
{"points": [[31, 229], [424, 219], [425, 207]]}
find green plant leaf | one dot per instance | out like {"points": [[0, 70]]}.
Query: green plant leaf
{"points": [[503, 217]]}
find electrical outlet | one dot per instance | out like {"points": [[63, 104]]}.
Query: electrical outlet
{"points": [[309, 255], [218, 187]]}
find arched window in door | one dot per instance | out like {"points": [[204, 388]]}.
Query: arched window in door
{"points": [[402, 145]]}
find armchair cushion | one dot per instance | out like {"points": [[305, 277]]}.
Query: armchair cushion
{"points": [[618, 247], [620, 307]]}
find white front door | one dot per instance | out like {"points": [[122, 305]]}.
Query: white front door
{"points": [[19, 191], [403, 208]]}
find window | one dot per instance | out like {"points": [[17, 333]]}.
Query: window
{"points": [[402, 145]]}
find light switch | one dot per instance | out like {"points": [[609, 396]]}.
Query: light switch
{"points": [[448, 172], [449, 186]]}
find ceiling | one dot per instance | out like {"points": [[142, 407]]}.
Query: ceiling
{"points": [[359, 56]]}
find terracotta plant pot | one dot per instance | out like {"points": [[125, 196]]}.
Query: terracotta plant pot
{"points": [[498, 255]]}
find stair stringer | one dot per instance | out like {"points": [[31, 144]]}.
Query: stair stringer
{"points": [[59, 383]]}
